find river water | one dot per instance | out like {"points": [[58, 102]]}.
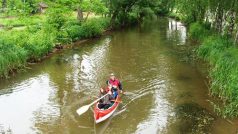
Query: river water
{"points": [[167, 94]]}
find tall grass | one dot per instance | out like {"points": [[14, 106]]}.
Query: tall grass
{"points": [[223, 58], [16, 47], [198, 31], [38, 44], [212, 47], [91, 28], [32, 43], [22, 21], [224, 85], [11, 57]]}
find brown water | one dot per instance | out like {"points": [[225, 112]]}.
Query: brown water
{"points": [[149, 61]]}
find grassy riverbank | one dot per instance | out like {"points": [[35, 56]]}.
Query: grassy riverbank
{"points": [[35, 41], [222, 55], [213, 25]]}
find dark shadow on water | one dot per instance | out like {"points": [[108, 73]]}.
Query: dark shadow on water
{"points": [[191, 118], [185, 95], [183, 77]]}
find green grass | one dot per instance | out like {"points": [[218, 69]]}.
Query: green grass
{"points": [[38, 38], [223, 58], [198, 31], [212, 47], [11, 57], [224, 85], [38, 44], [22, 21], [92, 28]]}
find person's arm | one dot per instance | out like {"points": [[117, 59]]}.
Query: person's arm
{"points": [[99, 96], [120, 86]]}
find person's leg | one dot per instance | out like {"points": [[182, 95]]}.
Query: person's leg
{"points": [[100, 106], [115, 94]]}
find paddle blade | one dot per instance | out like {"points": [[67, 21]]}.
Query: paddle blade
{"points": [[83, 109], [128, 93]]}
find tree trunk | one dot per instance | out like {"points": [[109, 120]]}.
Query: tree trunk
{"points": [[232, 18], [219, 19], [86, 18], [79, 14], [236, 38], [231, 23], [4, 4], [114, 15]]}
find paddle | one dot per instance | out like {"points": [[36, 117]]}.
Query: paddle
{"points": [[85, 108], [119, 101], [127, 93]]}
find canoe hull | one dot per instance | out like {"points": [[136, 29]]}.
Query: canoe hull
{"points": [[101, 115]]}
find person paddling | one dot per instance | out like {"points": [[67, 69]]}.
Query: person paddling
{"points": [[105, 102], [116, 85]]}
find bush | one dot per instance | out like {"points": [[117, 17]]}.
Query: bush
{"points": [[38, 45], [62, 36], [74, 32], [104, 22], [224, 77], [174, 16], [72, 22], [224, 60], [132, 19], [18, 46], [11, 57], [212, 47], [90, 28], [198, 31], [56, 18]]}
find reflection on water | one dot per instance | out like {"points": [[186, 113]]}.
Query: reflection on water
{"points": [[158, 118], [177, 31], [92, 64], [45, 99], [31, 100]]}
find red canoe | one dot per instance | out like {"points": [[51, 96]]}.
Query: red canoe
{"points": [[101, 114]]}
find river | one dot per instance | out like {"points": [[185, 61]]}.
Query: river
{"points": [[167, 94]]}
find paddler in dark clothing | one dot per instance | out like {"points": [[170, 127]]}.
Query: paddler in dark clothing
{"points": [[105, 102], [116, 85]]}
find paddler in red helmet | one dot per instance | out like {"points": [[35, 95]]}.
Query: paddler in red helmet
{"points": [[116, 85]]}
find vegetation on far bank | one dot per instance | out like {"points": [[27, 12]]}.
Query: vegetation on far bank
{"points": [[34, 42], [222, 55], [213, 24]]}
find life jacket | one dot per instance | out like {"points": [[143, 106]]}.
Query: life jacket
{"points": [[114, 82]]}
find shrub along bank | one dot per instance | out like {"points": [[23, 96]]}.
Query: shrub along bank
{"points": [[222, 55], [31, 44]]}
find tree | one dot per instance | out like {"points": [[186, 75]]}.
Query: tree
{"points": [[125, 10], [95, 6], [4, 4]]}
